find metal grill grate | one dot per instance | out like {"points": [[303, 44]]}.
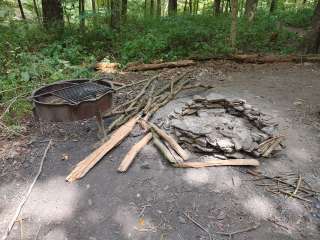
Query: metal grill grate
{"points": [[82, 92]]}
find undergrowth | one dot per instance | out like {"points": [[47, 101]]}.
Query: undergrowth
{"points": [[31, 57]]}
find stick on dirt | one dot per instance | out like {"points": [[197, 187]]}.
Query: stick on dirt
{"points": [[163, 149], [90, 161], [25, 198], [128, 159]]}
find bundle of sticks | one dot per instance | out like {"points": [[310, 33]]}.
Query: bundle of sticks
{"points": [[140, 108], [290, 184]]}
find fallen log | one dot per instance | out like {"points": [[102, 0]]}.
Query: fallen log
{"points": [[155, 66], [173, 143], [216, 162], [128, 159], [90, 161]]}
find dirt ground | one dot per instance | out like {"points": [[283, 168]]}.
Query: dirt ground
{"points": [[152, 199]]}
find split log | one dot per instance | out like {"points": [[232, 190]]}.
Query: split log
{"points": [[155, 66], [163, 149], [90, 161], [216, 162], [107, 67], [128, 159], [173, 143]]}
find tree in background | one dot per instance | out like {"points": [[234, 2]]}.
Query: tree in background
{"points": [[82, 14], [159, 8], [250, 9], [36, 10], [21, 10], [172, 7], [124, 10], [52, 12], [216, 7], [115, 14], [312, 40], [234, 23], [273, 6]]}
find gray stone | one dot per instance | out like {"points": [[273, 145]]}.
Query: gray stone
{"points": [[203, 149], [270, 130], [239, 108], [203, 113], [198, 98], [215, 97], [185, 139], [225, 144], [182, 220], [237, 144], [216, 111], [220, 156], [236, 155], [247, 106], [201, 141]]}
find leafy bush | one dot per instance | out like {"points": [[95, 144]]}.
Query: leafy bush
{"points": [[297, 18]]}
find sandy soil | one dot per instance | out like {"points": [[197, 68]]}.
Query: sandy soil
{"points": [[150, 201]]}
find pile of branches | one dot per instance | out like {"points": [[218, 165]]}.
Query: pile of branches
{"points": [[154, 94]]}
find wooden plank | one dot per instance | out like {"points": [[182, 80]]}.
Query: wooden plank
{"points": [[154, 66], [90, 161], [214, 163], [128, 159]]}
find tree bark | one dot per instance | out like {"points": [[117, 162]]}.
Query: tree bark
{"points": [[185, 6], [36, 10], [234, 23], [172, 7], [273, 6], [21, 10], [52, 13], [124, 10], [159, 8], [81, 14], [250, 9], [312, 40], [217, 7], [190, 6], [115, 14], [151, 8]]}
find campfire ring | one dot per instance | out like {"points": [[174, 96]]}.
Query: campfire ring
{"points": [[72, 100]]}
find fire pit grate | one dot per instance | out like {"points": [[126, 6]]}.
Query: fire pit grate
{"points": [[78, 93]]}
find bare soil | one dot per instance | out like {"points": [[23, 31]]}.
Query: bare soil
{"points": [[152, 199]]}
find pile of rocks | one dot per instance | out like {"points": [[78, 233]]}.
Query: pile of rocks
{"points": [[221, 126]]}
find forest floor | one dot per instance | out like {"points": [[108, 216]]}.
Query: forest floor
{"points": [[150, 201]]}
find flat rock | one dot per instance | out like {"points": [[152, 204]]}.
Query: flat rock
{"points": [[225, 144]]}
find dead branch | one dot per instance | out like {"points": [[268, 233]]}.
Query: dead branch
{"points": [[128, 159], [173, 143], [155, 66], [26, 196], [90, 161], [230, 234], [163, 149]]}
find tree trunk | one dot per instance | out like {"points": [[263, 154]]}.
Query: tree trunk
{"points": [[151, 8], [312, 40], [52, 12], [185, 6], [81, 14], [273, 6], [115, 14], [250, 9], [234, 23], [217, 7], [190, 6], [196, 8], [159, 8], [145, 8], [21, 10], [172, 7], [124, 10], [94, 11], [36, 10]]}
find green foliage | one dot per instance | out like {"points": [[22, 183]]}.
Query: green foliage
{"points": [[296, 18]]}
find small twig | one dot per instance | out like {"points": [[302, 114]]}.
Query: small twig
{"points": [[298, 185], [198, 224], [25, 198], [230, 234]]}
